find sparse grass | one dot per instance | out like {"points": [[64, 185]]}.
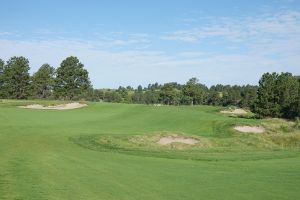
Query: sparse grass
{"points": [[109, 151], [148, 143], [297, 123]]}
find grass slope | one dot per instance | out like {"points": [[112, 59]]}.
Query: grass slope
{"points": [[40, 160]]}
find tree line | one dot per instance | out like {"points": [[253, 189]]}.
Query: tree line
{"points": [[191, 93], [277, 95], [68, 82]]}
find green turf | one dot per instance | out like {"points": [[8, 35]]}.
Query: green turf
{"points": [[58, 154]]}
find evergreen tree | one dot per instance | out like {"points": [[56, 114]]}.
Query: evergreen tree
{"points": [[138, 97], [1, 78], [112, 96], [16, 78], [193, 92], [151, 97], [248, 95], [140, 88], [277, 96], [214, 98], [169, 94], [287, 88], [267, 99], [72, 80], [43, 81], [231, 95], [298, 113]]}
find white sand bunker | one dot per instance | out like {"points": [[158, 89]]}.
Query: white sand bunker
{"points": [[56, 107], [237, 111], [176, 138], [250, 129]]}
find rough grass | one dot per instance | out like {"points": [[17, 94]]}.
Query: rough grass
{"points": [[146, 144], [95, 153]]}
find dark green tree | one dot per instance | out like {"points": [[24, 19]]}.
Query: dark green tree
{"points": [[194, 92], [298, 114], [249, 95], [287, 89], [72, 80], [169, 94], [267, 99], [112, 96], [124, 94], [43, 81], [138, 97], [98, 95], [16, 78], [214, 98], [277, 96], [139, 88], [151, 97], [1, 78], [215, 95], [231, 95], [1, 67]]}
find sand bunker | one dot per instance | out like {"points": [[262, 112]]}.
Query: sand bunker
{"points": [[250, 129], [175, 138], [56, 107], [237, 111]]}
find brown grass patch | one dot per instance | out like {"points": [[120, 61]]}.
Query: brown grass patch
{"points": [[169, 139], [250, 129]]}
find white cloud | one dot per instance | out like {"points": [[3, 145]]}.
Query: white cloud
{"points": [[5, 33], [268, 42], [122, 40], [277, 26]]}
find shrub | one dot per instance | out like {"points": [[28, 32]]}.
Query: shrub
{"points": [[297, 123]]}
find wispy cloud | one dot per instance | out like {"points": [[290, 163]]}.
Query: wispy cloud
{"points": [[136, 40], [5, 33], [105, 40], [266, 41], [268, 26]]}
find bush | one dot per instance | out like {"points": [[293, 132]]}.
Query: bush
{"points": [[297, 123]]}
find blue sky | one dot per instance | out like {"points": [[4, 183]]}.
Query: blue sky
{"points": [[139, 42]]}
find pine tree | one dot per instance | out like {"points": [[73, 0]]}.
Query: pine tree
{"points": [[43, 81], [194, 92], [72, 80], [1, 78], [267, 99], [287, 88], [16, 78]]}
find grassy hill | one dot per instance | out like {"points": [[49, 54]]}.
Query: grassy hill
{"points": [[109, 151]]}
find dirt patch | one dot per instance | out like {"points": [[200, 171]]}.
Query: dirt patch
{"points": [[250, 129], [237, 111], [178, 139], [67, 106]]}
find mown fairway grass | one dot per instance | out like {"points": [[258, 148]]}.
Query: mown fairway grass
{"points": [[54, 154]]}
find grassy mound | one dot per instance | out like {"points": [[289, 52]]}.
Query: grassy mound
{"points": [[207, 148]]}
